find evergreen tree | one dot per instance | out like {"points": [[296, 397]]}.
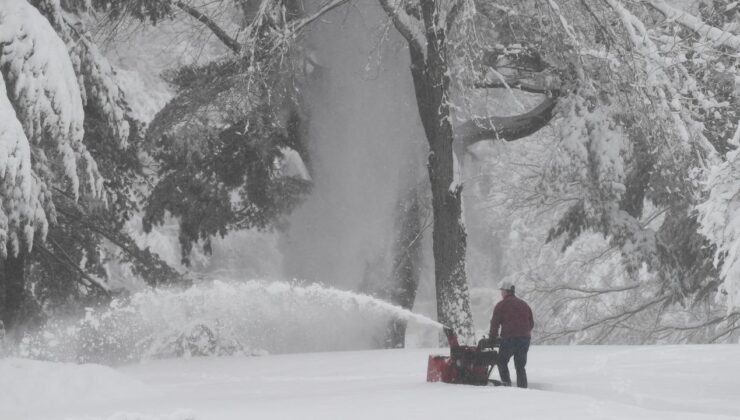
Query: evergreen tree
{"points": [[229, 144], [63, 114]]}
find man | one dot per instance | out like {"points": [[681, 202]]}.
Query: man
{"points": [[514, 317]]}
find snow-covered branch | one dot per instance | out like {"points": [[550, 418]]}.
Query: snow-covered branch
{"points": [[506, 128], [569, 30], [716, 35], [660, 81], [94, 73], [453, 13], [719, 216], [44, 90], [17, 185]]}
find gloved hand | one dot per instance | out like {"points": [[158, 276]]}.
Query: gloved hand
{"points": [[485, 343], [448, 331]]}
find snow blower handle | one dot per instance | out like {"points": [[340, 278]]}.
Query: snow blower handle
{"points": [[488, 343]]}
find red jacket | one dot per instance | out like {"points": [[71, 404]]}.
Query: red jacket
{"points": [[514, 317]]}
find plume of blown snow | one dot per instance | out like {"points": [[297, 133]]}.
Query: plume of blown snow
{"points": [[222, 318]]}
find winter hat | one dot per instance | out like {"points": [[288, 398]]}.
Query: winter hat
{"points": [[507, 285]]}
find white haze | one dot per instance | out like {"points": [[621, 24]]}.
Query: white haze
{"points": [[364, 135], [365, 143]]}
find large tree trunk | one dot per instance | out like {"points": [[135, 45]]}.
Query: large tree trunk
{"points": [[13, 280], [424, 28], [431, 84]]}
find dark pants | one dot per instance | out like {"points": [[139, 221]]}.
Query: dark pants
{"points": [[517, 347]]}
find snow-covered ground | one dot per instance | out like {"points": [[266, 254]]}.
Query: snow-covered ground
{"points": [[577, 382]]}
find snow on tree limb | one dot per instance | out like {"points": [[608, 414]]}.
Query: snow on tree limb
{"points": [[564, 22], [94, 73], [719, 216], [506, 128], [716, 35], [39, 75], [102, 91], [42, 86], [453, 13], [660, 79], [21, 214]]}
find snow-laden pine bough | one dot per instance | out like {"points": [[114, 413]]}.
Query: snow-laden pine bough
{"points": [[470, 365]]}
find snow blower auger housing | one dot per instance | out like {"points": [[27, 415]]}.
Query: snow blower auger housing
{"points": [[469, 365]]}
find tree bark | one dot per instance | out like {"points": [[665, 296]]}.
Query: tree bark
{"points": [[426, 35], [431, 85], [13, 280]]}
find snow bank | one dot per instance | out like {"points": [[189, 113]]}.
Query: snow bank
{"points": [[24, 384], [566, 382], [177, 415]]}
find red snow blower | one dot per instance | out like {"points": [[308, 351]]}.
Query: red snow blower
{"points": [[470, 365]]}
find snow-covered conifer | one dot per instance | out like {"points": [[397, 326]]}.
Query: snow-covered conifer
{"points": [[720, 222], [95, 75], [42, 86], [21, 215]]}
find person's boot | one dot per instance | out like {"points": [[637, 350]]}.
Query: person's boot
{"points": [[503, 372], [521, 379]]}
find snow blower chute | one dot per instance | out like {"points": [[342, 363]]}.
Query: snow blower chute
{"points": [[469, 365]]}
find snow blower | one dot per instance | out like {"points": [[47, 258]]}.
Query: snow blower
{"points": [[470, 365]]}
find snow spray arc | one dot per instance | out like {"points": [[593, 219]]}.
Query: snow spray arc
{"points": [[221, 318]]}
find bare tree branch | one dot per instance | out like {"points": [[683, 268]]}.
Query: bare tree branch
{"points": [[515, 84], [295, 28], [727, 331], [616, 317], [405, 25], [299, 25], [213, 26], [590, 291], [707, 323]]}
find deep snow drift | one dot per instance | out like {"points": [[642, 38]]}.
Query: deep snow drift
{"points": [[577, 382]]}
